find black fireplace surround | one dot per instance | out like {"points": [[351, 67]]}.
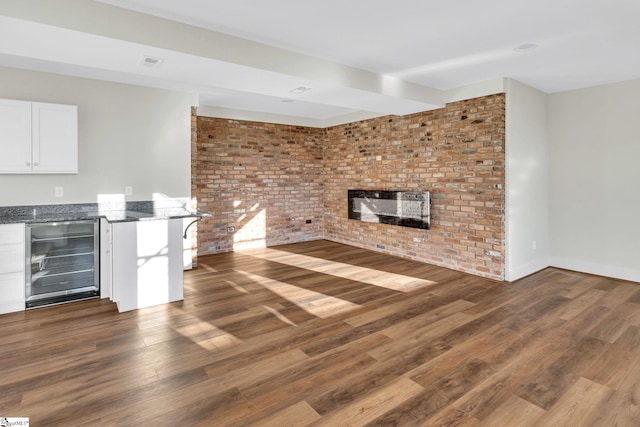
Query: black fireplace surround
{"points": [[402, 208]]}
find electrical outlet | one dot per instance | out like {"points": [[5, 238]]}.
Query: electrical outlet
{"points": [[231, 229], [128, 190], [534, 245], [59, 191]]}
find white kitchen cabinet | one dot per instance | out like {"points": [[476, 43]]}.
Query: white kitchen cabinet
{"points": [[15, 136], [54, 138], [37, 137], [147, 263], [187, 261], [12, 265], [105, 259]]}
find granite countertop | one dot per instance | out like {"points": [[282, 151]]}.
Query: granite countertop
{"points": [[112, 212]]}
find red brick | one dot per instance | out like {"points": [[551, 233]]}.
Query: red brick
{"points": [[298, 173]]}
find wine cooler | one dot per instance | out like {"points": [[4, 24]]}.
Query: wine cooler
{"points": [[62, 262]]}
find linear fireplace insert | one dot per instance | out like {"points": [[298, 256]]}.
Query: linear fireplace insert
{"points": [[403, 208]]}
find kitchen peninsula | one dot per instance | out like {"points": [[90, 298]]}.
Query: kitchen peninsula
{"points": [[143, 248]]}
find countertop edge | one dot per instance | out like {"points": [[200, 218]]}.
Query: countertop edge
{"points": [[87, 212]]}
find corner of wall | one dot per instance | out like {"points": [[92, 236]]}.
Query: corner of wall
{"points": [[527, 181]]}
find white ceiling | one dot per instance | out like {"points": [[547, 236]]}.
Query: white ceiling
{"points": [[359, 56]]}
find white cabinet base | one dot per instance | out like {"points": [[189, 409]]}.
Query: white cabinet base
{"points": [[11, 292], [146, 263], [12, 266], [105, 259]]}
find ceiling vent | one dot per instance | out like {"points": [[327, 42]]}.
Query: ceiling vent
{"points": [[150, 62], [526, 47]]}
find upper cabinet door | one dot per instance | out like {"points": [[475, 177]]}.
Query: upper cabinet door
{"points": [[54, 138], [15, 136]]}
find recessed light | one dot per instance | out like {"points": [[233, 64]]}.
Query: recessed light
{"points": [[286, 100], [150, 61], [526, 47], [300, 89]]}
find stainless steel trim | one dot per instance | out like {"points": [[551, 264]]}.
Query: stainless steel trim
{"points": [[56, 238]]}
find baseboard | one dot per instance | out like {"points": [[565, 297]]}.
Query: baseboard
{"points": [[513, 274], [622, 273]]}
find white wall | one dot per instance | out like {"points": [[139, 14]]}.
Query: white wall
{"points": [[128, 136], [595, 177], [527, 181]]}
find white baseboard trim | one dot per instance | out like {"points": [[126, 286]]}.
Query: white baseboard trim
{"points": [[597, 269], [513, 274]]}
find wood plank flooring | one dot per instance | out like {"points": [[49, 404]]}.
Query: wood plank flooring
{"points": [[323, 334]]}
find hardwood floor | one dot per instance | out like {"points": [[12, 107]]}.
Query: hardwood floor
{"points": [[320, 333]]}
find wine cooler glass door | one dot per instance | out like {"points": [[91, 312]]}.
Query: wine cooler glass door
{"points": [[62, 262]]}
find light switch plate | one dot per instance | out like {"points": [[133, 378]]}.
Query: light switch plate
{"points": [[128, 190], [59, 191]]}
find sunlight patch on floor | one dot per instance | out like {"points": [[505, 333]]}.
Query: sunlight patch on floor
{"points": [[219, 339], [236, 286], [220, 342], [279, 315], [208, 268], [370, 276], [315, 303]]}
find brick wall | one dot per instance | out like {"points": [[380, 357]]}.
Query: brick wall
{"points": [[262, 182], [456, 153], [253, 175], [194, 178]]}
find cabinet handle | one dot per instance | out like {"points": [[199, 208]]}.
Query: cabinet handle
{"points": [[28, 164], [36, 164]]}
